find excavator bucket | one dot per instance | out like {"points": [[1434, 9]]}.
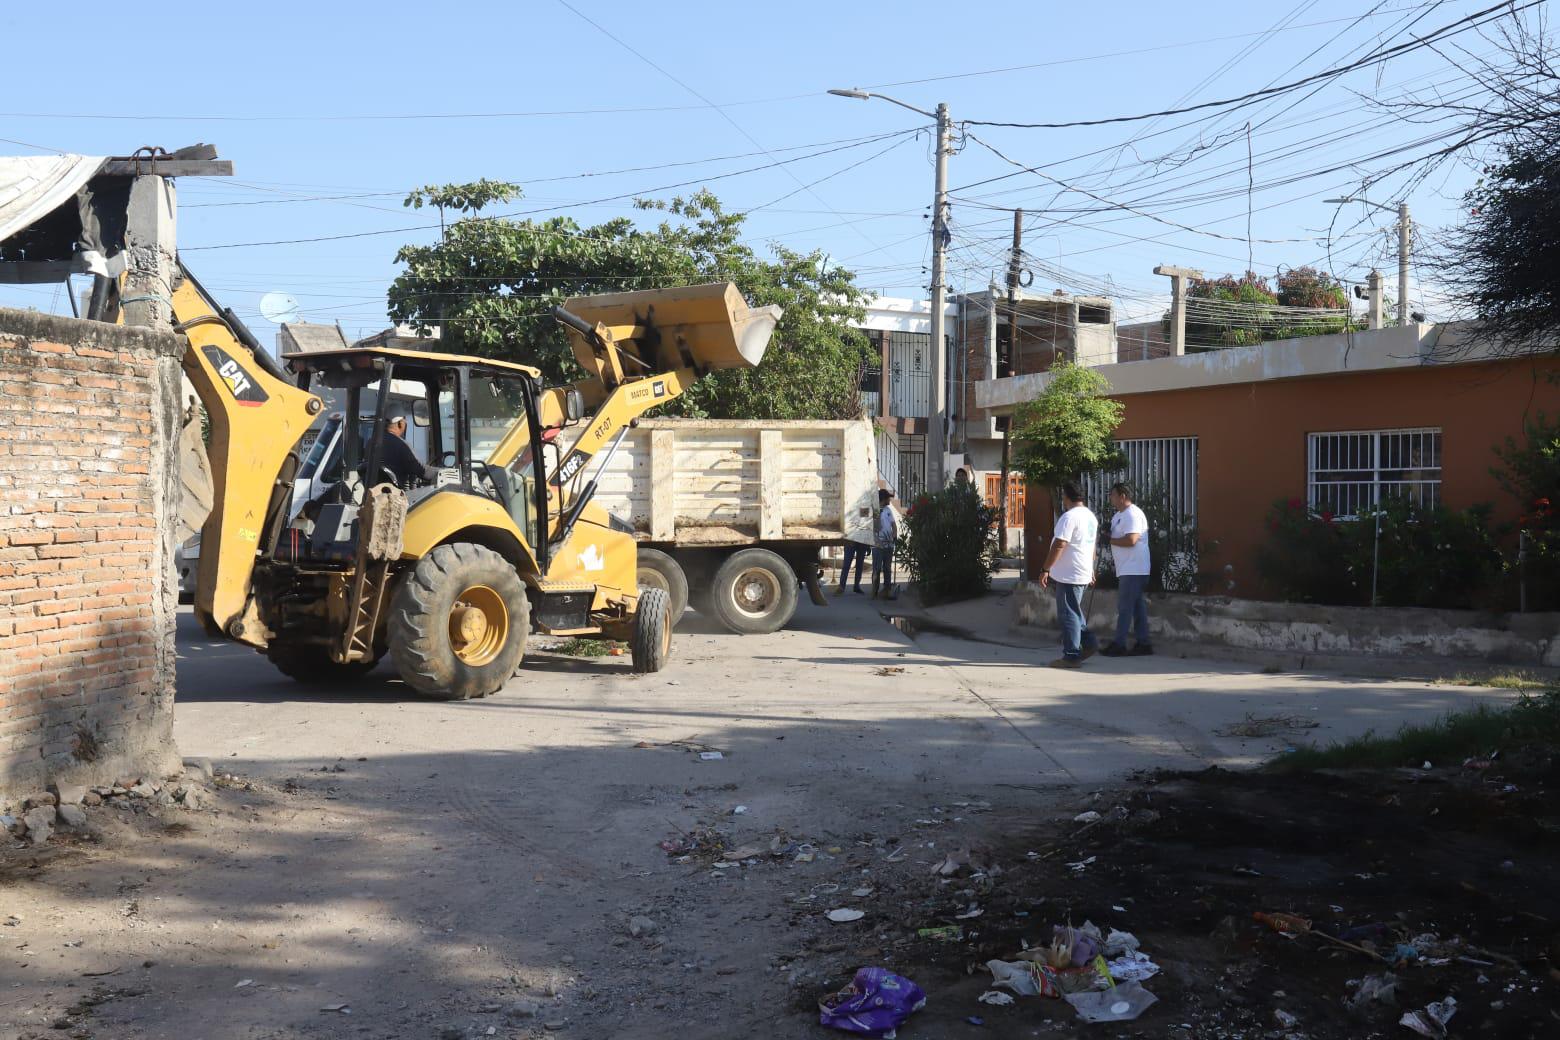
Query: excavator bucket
{"points": [[703, 326]]}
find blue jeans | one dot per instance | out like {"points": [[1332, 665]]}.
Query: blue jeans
{"points": [[1069, 615], [1132, 609], [882, 564], [857, 552]]}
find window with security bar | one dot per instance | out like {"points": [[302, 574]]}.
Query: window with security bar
{"points": [[1351, 472]]}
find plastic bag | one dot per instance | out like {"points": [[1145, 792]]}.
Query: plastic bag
{"points": [[876, 1003]]}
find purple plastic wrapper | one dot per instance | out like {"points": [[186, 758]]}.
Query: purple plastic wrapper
{"points": [[876, 1003]]}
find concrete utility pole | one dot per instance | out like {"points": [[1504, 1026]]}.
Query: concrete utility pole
{"points": [[1178, 277], [937, 428], [1014, 266], [1403, 247], [1373, 300], [151, 252], [937, 424]]}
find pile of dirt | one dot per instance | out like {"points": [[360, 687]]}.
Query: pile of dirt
{"points": [[1446, 880]]}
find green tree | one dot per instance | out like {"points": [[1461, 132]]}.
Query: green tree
{"points": [[1067, 430], [491, 281]]}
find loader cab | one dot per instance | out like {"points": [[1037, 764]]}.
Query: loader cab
{"points": [[467, 426]]}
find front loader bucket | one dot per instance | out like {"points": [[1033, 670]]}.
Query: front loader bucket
{"points": [[710, 326]]}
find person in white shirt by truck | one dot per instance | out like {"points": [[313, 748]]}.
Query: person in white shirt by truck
{"points": [[883, 551], [1069, 567], [1129, 549]]}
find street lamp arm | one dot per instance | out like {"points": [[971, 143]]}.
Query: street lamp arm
{"points": [[863, 95], [1368, 202]]}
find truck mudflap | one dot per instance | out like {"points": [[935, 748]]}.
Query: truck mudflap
{"points": [[812, 577]]}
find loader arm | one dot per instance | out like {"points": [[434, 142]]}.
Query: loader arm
{"points": [[256, 418], [641, 350]]}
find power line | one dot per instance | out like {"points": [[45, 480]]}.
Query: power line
{"points": [[1446, 31]]}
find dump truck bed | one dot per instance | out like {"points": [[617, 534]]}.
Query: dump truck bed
{"points": [[706, 482]]}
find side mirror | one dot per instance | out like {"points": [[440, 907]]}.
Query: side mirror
{"points": [[420, 413], [573, 404]]}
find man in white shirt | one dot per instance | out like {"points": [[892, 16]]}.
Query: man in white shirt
{"points": [[1069, 566], [887, 530], [1129, 547]]}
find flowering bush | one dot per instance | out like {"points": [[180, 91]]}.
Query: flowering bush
{"points": [[1426, 556], [1530, 472], [949, 542]]}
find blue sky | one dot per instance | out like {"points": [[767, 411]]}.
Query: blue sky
{"points": [[330, 112]]}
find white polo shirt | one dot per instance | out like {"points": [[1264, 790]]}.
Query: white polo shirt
{"points": [[1130, 559], [1080, 530]]}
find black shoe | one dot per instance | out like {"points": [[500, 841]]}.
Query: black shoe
{"points": [[1114, 650], [1066, 662], [860, 591], [1088, 652], [1143, 650]]}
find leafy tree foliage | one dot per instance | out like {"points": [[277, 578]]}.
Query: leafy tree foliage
{"points": [[1249, 309], [491, 282], [1067, 430]]}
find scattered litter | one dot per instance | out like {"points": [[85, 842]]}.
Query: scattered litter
{"points": [[1082, 865], [1132, 967], [1088, 817], [844, 915], [995, 997], [1285, 924], [805, 856], [975, 1020], [944, 933], [1266, 725], [1118, 943], [889, 670], [1381, 988], [1121, 1004], [1283, 1019], [1431, 1020], [100, 974], [896, 856], [241, 983], [970, 914], [876, 1003], [740, 810], [1026, 978], [340, 1009], [861, 893], [710, 756]]}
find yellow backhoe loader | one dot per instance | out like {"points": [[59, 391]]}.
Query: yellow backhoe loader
{"points": [[448, 567]]}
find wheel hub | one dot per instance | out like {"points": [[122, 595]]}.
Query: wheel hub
{"points": [[478, 625], [756, 591]]}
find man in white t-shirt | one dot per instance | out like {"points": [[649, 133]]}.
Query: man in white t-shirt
{"points": [[1129, 547], [1069, 567]]}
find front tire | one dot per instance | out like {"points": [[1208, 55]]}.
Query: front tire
{"points": [[459, 622], [651, 642], [754, 592], [657, 570]]}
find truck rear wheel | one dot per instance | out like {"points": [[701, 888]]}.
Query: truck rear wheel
{"points": [[459, 622], [651, 643], [657, 570], [310, 663], [754, 592]]}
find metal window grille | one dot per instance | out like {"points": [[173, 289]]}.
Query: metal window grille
{"points": [[1351, 472], [912, 469], [887, 457], [909, 374], [1163, 469]]}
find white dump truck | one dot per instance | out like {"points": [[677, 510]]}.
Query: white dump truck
{"points": [[730, 514]]}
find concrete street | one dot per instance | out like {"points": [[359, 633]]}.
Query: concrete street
{"points": [[427, 864]]}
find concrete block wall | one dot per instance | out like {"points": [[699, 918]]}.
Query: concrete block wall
{"points": [[89, 498]]}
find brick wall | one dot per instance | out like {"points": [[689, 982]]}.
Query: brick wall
{"points": [[89, 416]]}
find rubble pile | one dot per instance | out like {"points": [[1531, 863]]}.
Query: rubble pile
{"points": [[66, 808]]}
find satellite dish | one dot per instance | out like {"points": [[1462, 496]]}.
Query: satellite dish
{"points": [[279, 308]]}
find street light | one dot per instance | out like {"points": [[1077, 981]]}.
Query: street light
{"points": [[1403, 226], [937, 427]]}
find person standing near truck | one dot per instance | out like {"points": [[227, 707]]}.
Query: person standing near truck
{"points": [[858, 543], [1129, 548], [883, 550], [1069, 567]]}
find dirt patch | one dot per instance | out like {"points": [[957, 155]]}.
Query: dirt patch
{"points": [[1457, 864]]}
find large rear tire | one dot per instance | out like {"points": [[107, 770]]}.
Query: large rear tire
{"points": [[459, 622], [754, 592], [310, 663], [657, 570], [651, 643]]}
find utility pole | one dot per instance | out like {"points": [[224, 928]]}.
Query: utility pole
{"points": [[1178, 277], [936, 432], [1014, 263], [1403, 247]]}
